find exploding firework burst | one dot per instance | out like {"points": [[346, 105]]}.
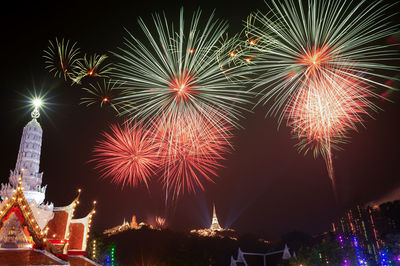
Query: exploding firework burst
{"points": [[325, 111], [128, 155], [298, 41], [318, 62], [62, 58], [100, 93], [93, 66], [180, 71]]}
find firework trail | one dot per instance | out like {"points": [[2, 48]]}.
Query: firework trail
{"points": [[128, 154], [318, 66]]}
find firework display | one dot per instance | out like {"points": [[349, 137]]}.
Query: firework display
{"points": [[64, 60], [186, 81], [128, 155], [315, 64], [318, 67]]}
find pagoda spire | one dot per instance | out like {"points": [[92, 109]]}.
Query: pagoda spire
{"points": [[214, 223], [28, 161]]}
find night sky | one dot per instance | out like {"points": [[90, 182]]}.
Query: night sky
{"points": [[267, 187]]}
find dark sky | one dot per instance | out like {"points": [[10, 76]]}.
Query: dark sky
{"points": [[266, 186]]}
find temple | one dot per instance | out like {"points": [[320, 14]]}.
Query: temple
{"points": [[27, 222], [214, 222], [215, 230], [157, 223]]}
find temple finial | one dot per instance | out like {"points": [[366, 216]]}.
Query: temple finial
{"points": [[36, 103]]}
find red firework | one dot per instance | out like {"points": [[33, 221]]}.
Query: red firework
{"points": [[191, 149], [160, 222], [129, 155]]}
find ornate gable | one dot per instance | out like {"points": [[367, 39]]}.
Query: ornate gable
{"points": [[18, 225]]}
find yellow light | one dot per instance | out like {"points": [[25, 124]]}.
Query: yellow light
{"points": [[37, 102]]}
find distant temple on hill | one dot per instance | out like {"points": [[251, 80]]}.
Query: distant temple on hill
{"points": [[27, 222], [215, 229], [121, 228], [133, 225]]}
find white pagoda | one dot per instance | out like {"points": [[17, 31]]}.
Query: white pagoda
{"points": [[26, 222], [214, 223], [215, 230]]}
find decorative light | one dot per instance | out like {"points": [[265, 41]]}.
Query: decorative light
{"points": [[37, 102]]}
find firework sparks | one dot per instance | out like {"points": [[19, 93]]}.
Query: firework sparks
{"points": [[62, 58], [128, 155], [100, 93], [92, 66]]}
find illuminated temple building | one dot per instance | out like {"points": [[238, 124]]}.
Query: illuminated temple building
{"points": [[33, 231], [215, 229], [121, 228], [157, 224]]}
